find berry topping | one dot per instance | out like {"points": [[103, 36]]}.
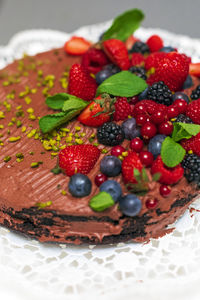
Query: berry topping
{"points": [[110, 166], [195, 93], [79, 185], [117, 150], [183, 119], [93, 60], [167, 49], [122, 109], [168, 175], [180, 95], [192, 144], [146, 158], [110, 134], [188, 83], [113, 188], [77, 45], [155, 144], [140, 47], [99, 179], [191, 165], [139, 71], [81, 84], [130, 162], [155, 43], [172, 111], [130, 129], [137, 59], [136, 144], [193, 111], [148, 107], [160, 93], [148, 130], [106, 72], [151, 203], [78, 159], [117, 52], [181, 105], [195, 69], [143, 95], [158, 117], [130, 205], [165, 190], [142, 119], [153, 60], [166, 128]]}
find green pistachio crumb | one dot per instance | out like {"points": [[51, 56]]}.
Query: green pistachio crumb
{"points": [[63, 192], [7, 158], [104, 151], [19, 123], [14, 139]]}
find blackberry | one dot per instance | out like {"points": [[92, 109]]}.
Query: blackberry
{"points": [[191, 165], [195, 93], [139, 71], [160, 93], [183, 119], [139, 47], [110, 134]]}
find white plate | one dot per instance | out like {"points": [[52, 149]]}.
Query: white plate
{"points": [[167, 268]]}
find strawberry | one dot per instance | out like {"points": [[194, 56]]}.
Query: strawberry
{"points": [[130, 162], [155, 43], [192, 144], [153, 59], [117, 52], [94, 59], [122, 109], [195, 69], [148, 107], [78, 159], [81, 84], [137, 59], [77, 45], [130, 42], [168, 175], [193, 111], [87, 117], [172, 70]]}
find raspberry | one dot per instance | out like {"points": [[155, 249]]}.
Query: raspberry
{"points": [[193, 111], [137, 59], [130, 162], [155, 43], [153, 60], [168, 175], [192, 144], [122, 109], [94, 59]]}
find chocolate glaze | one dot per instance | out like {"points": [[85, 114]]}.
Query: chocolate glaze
{"points": [[67, 219]]}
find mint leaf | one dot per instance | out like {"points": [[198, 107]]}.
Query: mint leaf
{"points": [[124, 25], [156, 176], [57, 101], [101, 201], [137, 174], [74, 103], [122, 84], [184, 131], [172, 153]]}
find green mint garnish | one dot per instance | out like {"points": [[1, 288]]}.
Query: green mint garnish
{"points": [[141, 187], [124, 25], [172, 153], [101, 201], [184, 131], [57, 101], [56, 170], [122, 84], [156, 177]]}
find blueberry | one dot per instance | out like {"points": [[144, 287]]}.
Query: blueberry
{"points": [[113, 188], [180, 95], [130, 205], [79, 185], [143, 95], [188, 83], [112, 68], [130, 129], [167, 49], [155, 144], [110, 166], [102, 75]]}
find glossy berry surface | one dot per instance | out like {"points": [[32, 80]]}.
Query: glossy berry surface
{"points": [[181, 105], [180, 95], [117, 150], [172, 111], [158, 117], [136, 144], [143, 95], [102, 75], [166, 128], [155, 144], [130, 205], [188, 83], [110, 166], [79, 185], [110, 134], [148, 130], [130, 129], [133, 100], [142, 119], [165, 190], [146, 158], [151, 203], [113, 188], [167, 49], [99, 179]]}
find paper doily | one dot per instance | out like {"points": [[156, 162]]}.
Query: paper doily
{"points": [[165, 268]]}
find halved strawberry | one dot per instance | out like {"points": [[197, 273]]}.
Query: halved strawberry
{"points": [[77, 45], [194, 69], [94, 115], [130, 42]]}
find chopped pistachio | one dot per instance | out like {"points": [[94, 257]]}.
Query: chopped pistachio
{"points": [[96, 144], [32, 117], [23, 128], [28, 100], [34, 165], [1, 126], [2, 116], [30, 110], [31, 133], [31, 153], [79, 141], [104, 151], [125, 153], [7, 158], [19, 123], [14, 139], [63, 192]]}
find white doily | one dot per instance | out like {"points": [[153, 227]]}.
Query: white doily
{"points": [[167, 268]]}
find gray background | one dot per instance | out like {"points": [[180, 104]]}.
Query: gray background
{"points": [[180, 16]]}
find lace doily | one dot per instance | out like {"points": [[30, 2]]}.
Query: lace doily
{"points": [[167, 268]]}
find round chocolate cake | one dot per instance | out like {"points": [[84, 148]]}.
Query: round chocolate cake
{"points": [[35, 195]]}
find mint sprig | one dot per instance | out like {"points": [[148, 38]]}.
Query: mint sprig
{"points": [[122, 84], [124, 25], [184, 131], [101, 201], [172, 153]]}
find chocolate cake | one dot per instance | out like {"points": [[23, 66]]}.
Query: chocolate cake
{"points": [[34, 200]]}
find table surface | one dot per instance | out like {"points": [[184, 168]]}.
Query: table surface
{"points": [[179, 16]]}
